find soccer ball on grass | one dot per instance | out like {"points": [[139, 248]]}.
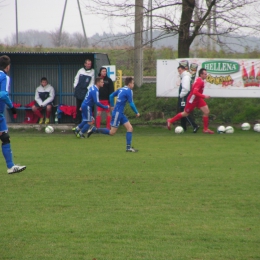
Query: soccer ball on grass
{"points": [[221, 129], [229, 130], [49, 129], [257, 128], [179, 130], [245, 126]]}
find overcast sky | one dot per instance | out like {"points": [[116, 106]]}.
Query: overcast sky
{"points": [[46, 15]]}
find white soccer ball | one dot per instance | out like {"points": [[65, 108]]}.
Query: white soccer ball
{"points": [[221, 129], [257, 128], [49, 129], [179, 130], [245, 126], [229, 130]]}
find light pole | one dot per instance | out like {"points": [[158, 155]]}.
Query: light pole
{"points": [[138, 42], [16, 19]]}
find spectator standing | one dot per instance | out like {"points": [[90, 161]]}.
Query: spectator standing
{"points": [[5, 100], [104, 94], [83, 79], [184, 91], [195, 100], [44, 96]]}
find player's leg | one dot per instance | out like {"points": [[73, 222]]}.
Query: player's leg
{"points": [[115, 122], [8, 155], [176, 118], [191, 121], [37, 111], [108, 119], [104, 131], [78, 115], [98, 117], [48, 113], [183, 119], [129, 134], [205, 117], [86, 115], [108, 115]]}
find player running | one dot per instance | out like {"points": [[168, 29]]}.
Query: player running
{"points": [[124, 95], [195, 99], [92, 98]]}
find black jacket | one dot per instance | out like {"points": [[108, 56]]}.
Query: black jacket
{"points": [[107, 89]]}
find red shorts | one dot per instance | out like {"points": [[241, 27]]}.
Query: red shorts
{"points": [[105, 103], [195, 104]]}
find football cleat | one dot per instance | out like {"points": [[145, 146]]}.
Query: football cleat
{"points": [[195, 129], [208, 131], [80, 135], [132, 150], [41, 121], [90, 131], [75, 130], [15, 169], [47, 121], [168, 124]]}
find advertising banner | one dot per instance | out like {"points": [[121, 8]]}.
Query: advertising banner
{"points": [[226, 77]]}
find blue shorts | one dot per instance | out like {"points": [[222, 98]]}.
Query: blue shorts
{"points": [[86, 112], [3, 125], [118, 119]]}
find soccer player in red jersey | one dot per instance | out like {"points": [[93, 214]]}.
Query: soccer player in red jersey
{"points": [[195, 99]]}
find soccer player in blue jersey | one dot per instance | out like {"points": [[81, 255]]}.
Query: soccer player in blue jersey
{"points": [[5, 100], [91, 98], [124, 95]]}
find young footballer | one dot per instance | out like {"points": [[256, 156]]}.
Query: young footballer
{"points": [[91, 99], [5, 100]]}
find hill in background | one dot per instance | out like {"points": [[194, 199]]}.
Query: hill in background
{"points": [[46, 39]]}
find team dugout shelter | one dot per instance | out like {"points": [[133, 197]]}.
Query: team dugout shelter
{"points": [[59, 68]]}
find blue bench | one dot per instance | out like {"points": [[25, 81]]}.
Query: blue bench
{"points": [[17, 108]]}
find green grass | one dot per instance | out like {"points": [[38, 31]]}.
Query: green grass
{"points": [[189, 196]]}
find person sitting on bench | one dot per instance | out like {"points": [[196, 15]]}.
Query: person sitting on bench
{"points": [[44, 96]]}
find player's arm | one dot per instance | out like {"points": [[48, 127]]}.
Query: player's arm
{"points": [[50, 98], [111, 98], [198, 84], [76, 79], [37, 97], [96, 100], [92, 80], [131, 103], [5, 97]]}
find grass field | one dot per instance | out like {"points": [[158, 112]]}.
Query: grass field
{"points": [[190, 196]]}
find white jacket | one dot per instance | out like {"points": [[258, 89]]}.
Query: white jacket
{"points": [[185, 82], [85, 72], [44, 95]]}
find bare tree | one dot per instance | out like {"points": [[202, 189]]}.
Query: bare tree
{"points": [[79, 40], [224, 18], [62, 39]]}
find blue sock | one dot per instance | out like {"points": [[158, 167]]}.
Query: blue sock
{"points": [[81, 125], [128, 139], [7, 153], [85, 128], [104, 131]]}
